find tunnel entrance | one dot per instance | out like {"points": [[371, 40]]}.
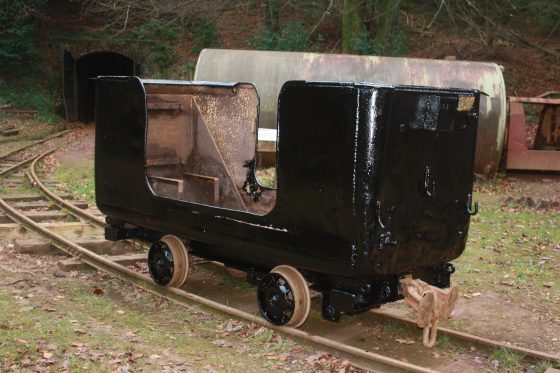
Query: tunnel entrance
{"points": [[79, 85]]}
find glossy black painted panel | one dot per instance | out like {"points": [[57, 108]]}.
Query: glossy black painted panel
{"points": [[343, 162], [423, 182]]}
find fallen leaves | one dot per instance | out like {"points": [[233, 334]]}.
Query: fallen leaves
{"points": [[22, 342], [221, 343], [405, 341], [471, 295]]}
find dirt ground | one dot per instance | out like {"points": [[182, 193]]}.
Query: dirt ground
{"points": [[507, 275], [84, 321], [518, 311]]}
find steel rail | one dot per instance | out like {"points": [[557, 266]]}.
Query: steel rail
{"points": [[183, 297], [36, 142], [179, 296], [478, 340], [90, 218], [15, 167]]}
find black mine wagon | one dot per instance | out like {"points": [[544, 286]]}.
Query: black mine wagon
{"points": [[374, 182]]}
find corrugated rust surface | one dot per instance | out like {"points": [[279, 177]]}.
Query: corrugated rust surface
{"points": [[270, 70]]}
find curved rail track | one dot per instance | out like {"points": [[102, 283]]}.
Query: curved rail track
{"points": [[183, 297], [34, 143]]}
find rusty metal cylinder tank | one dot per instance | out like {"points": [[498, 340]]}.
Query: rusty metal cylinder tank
{"points": [[268, 71]]}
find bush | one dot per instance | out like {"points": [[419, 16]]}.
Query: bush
{"points": [[545, 14], [293, 37], [187, 72], [204, 34], [366, 45], [153, 40], [29, 96], [17, 45]]}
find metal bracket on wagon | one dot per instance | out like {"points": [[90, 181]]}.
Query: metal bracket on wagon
{"points": [[431, 304]]}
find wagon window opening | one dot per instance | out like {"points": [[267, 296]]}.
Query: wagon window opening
{"points": [[200, 145], [266, 157]]}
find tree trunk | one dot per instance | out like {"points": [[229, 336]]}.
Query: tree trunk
{"points": [[272, 15], [352, 26], [387, 23]]}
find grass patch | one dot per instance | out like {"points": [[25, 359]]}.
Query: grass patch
{"points": [[78, 179], [189, 332], [22, 189], [27, 336], [443, 342], [543, 365], [513, 251], [509, 361], [394, 326], [265, 336]]}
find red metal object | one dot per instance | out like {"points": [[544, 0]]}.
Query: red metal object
{"points": [[519, 155]]}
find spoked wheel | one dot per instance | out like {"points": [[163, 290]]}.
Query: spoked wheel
{"points": [[283, 297], [168, 262]]}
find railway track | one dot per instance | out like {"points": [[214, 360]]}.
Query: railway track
{"points": [[182, 297]]}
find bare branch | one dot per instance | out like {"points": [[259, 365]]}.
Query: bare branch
{"points": [[512, 34], [437, 13], [552, 31], [325, 13]]}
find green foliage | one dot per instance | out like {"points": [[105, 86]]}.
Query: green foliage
{"points": [[154, 41], [382, 37], [396, 47], [364, 45], [545, 14], [361, 44], [17, 45], [156, 38], [293, 37], [204, 34], [267, 41], [27, 95], [187, 72], [523, 16]]}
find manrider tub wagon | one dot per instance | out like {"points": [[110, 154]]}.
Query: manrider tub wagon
{"points": [[374, 185]]}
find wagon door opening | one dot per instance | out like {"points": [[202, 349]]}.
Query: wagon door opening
{"points": [[200, 145]]}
